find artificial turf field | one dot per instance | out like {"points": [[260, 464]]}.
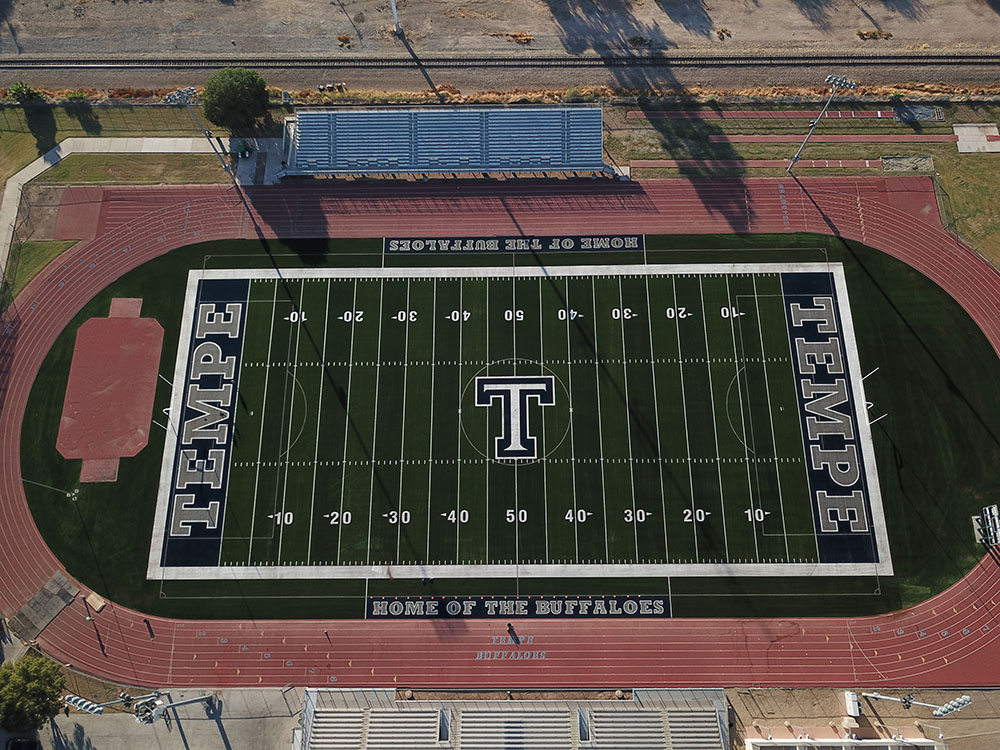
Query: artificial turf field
{"points": [[937, 455], [672, 439]]}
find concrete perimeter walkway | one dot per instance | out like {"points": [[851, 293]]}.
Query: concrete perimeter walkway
{"points": [[250, 719], [259, 170]]}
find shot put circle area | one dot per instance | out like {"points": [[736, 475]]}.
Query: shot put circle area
{"points": [[950, 639]]}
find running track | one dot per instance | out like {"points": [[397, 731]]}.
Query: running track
{"points": [[948, 640]]}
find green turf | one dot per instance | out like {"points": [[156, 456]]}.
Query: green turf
{"points": [[937, 451], [655, 400]]}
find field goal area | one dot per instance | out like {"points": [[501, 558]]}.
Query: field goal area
{"points": [[561, 421]]}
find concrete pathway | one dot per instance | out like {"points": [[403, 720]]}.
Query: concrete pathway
{"points": [[756, 163], [250, 719], [261, 168]]}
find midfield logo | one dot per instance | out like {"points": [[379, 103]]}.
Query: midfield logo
{"points": [[514, 391]]}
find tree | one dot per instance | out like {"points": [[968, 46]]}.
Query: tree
{"points": [[235, 98], [22, 92], [31, 691]]}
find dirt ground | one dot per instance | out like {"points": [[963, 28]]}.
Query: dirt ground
{"points": [[99, 27]]}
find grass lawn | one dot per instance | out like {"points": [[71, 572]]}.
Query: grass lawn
{"points": [[966, 182], [939, 383], [33, 256], [28, 132], [174, 169]]}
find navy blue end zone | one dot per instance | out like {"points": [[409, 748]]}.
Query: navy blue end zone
{"points": [[834, 454], [204, 426]]}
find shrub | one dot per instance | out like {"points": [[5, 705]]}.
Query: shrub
{"points": [[22, 92]]}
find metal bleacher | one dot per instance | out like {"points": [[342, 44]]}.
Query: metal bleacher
{"points": [[649, 719], [444, 140], [516, 730]]}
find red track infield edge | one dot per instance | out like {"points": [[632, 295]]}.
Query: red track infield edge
{"points": [[950, 640]]}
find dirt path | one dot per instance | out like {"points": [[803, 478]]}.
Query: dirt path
{"points": [[98, 27]]}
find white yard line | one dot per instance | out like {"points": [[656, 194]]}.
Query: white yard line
{"points": [[486, 494], [458, 478], [770, 414], [402, 431], [513, 343], [687, 435], [347, 418], [600, 421], [263, 413], [715, 423], [378, 373], [743, 414], [291, 415], [572, 428], [319, 419], [802, 437], [545, 463], [656, 416], [430, 441], [628, 419]]}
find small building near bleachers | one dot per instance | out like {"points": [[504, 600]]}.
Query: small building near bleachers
{"points": [[444, 140]]}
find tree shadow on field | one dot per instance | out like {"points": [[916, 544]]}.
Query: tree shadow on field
{"points": [[817, 12], [691, 15], [84, 114], [608, 25], [41, 123]]}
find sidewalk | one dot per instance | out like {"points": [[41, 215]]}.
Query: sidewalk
{"points": [[251, 719], [261, 168]]}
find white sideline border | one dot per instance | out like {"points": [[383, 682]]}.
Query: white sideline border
{"points": [[304, 572]]}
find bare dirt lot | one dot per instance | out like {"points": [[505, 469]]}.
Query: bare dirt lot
{"points": [[99, 27]]}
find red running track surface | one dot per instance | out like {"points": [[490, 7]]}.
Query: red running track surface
{"points": [[952, 639]]}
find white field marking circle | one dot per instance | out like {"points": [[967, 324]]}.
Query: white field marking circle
{"points": [[302, 426], [729, 416], [546, 371]]}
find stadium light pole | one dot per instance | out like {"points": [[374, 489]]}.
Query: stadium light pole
{"points": [[836, 84], [950, 707], [397, 29]]}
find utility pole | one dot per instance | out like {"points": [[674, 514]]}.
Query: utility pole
{"points": [[836, 84], [397, 30]]}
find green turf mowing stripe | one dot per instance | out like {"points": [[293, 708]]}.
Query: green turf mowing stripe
{"points": [[798, 527], [727, 410], [300, 451], [357, 482], [530, 476], [767, 500], [676, 469], [247, 433], [587, 425], [472, 544], [328, 520], [444, 501], [558, 431], [411, 542]]}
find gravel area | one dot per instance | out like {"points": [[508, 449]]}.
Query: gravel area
{"points": [[99, 27]]}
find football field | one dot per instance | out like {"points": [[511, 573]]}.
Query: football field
{"points": [[519, 421]]}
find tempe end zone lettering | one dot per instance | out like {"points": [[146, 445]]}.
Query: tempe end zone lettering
{"points": [[514, 607], [513, 244], [203, 425], [835, 430]]}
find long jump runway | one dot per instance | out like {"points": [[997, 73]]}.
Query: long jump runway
{"points": [[951, 639]]}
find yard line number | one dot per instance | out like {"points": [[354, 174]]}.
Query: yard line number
{"points": [[352, 316], [282, 519], [578, 516], [397, 517], [337, 518], [678, 313], [460, 516], [296, 316], [756, 514], [639, 515], [696, 515]]}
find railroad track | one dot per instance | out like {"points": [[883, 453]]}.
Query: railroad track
{"points": [[513, 61]]}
